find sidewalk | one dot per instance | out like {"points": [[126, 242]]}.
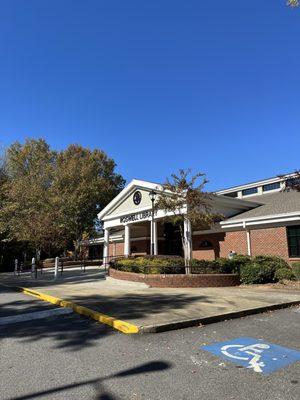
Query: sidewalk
{"points": [[154, 309]]}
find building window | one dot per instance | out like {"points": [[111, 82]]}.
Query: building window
{"points": [[293, 234], [246, 192], [206, 244], [271, 186], [232, 194]]}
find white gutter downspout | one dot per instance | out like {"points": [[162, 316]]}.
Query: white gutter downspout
{"points": [[248, 239]]}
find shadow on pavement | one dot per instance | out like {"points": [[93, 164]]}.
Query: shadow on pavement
{"points": [[73, 331], [131, 307], [101, 392], [47, 277]]}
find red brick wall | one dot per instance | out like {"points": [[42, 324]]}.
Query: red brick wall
{"points": [[178, 280], [222, 244], [116, 249], [207, 253], [235, 241], [137, 246], [269, 241]]}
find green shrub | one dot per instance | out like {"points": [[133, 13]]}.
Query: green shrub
{"points": [[296, 270], [219, 266], [284, 273], [262, 269], [234, 264], [204, 267], [150, 264], [272, 262], [238, 261], [253, 273]]}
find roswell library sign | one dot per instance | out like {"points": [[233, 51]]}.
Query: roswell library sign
{"points": [[137, 217]]}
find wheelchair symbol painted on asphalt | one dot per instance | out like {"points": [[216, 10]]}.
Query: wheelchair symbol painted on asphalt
{"points": [[254, 354]]}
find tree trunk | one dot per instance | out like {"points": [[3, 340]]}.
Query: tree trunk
{"points": [[184, 246]]}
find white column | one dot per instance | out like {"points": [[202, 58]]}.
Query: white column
{"points": [[248, 242], [127, 241], [56, 267], [188, 238], [155, 237], [106, 247]]}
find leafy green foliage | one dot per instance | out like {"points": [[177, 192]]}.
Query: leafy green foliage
{"points": [[219, 266], [83, 184], [256, 270], [150, 264], [293, 3], [296, 270], [51, 199], [262, 269], [284, 274], [183, 198], [272, 262], [253, 273], [27, 214]]}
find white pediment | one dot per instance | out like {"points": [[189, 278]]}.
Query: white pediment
{"points": [[124, 203]]}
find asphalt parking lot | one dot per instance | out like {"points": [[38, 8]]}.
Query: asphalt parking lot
{"points": [[65, 356]]}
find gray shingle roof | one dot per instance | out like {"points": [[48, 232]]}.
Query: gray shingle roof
{"points": [[272, 204]]}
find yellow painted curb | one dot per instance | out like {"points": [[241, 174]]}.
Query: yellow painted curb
{"points": [[121, 326]]}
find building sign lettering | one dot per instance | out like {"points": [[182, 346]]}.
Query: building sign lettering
{"points": [[137, 217]]}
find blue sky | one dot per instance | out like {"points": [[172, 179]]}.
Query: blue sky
{"points": [[158, 85]]}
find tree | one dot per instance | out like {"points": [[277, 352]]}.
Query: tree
{"points": [[26, 214], [293, 3], [50, 199], [183, 199], [3, 175], [293, 183], [84, 182]]}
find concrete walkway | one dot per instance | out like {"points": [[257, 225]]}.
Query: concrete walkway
{"points": [[153, 309]]}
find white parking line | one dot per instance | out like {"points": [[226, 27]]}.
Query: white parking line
{"points": [[12, 319]]}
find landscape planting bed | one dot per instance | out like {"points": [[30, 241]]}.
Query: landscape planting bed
{"points": [[177, 280]]}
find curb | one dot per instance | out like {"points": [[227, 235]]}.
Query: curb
{"points": [[214, 318], [128, 328], [122, 326]]}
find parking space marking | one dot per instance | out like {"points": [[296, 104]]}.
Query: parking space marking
{"points": [[254, 354], [13, 319]]}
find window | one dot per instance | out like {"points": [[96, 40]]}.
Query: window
{"points": [[271, 186], [246, 192], [293, 234], [232, 194], [206, 244]]}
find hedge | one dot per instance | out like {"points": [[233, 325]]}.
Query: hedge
{"points": [[252, 270], [150, 264], [262, 269], [284, 274], [296, 270]]}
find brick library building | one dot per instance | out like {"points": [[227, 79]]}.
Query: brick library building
{"points": [[260, 218]]}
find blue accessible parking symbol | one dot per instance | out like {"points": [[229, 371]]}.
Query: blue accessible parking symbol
{"points": [[255, 354]]}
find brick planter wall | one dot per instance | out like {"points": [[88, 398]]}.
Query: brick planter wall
{"points": [[177, 280]]}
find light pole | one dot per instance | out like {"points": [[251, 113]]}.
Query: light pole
{"points": [[152, 196]]}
